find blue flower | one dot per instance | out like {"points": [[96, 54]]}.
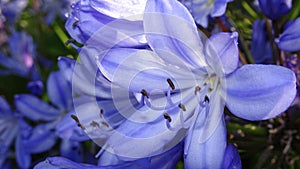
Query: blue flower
{"points": [[111, 161], [273, 9], [289, 40], [202, 9], [22, 56], [231, 158], [88, 17], [11, 9], [54, 8], [178, 89], [261, 50]]}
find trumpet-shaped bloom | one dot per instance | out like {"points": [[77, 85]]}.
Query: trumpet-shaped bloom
{"points": [[260, 45], [273, 9], [289, 40], [201, 10], [177, 90], [87, 17]]}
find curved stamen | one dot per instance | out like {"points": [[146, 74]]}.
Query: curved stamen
{"points": [[167, 117], [75, 24], [145, 93], [197, 89]]}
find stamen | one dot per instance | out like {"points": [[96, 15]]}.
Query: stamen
{"points": [[206, 99], [145, 93], [75, 24], [77, 121], [94, 124], [171, 84], [197, 89], [167, 117], [105, 124], [69, 41], [182, 107]]}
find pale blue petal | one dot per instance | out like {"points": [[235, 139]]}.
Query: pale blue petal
{"points": [[259, 92], [34, 108], [164, 22], [219, 7], [289, 40], [143, 69], [59, 91], [208, 138], [223, 53]]}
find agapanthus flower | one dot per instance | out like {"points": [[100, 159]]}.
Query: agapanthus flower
{"points": [[11, 9], [178, 88], [289, 40], [273, 9], [55, 8], [87, 17], [111, 161], [22, 57], [57, 115], [203, 9], [261, 50]]}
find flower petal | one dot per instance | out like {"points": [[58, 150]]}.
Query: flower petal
{"points": [[22, 156], [59, 91], [71, 150], [142, 69], [207, 142], [231, 158], [289, 40], [164, 24], [258, 92], [34, 108], [222, 52]]}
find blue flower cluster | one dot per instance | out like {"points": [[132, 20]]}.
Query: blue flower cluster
{"points": [[148, 89]]}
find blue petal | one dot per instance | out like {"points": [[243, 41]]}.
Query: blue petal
{"points": [[258, 92], [289, 40], [34, 108], [63, 163], [164, 22], [4, 106], [207, 143], [66, 66], [23, 157], [71, 150], [36, 87], [59, 91], [231, 158], [261, 50], [223, 53], [142, 69], [67, 128], [273, 9], [42, 138], [219, 7]]}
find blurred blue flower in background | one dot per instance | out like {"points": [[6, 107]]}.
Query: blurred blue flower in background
{"points": [[11, 9], [21, 57], [55, 8], [273, 9], [261, 50], [289, 40], [203, 9]]}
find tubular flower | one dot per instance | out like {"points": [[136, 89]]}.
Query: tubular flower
{"points": [[273, 9], [289, 40], [176, 90]]}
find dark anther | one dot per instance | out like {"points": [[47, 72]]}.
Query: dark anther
{"points": [[145, 93], [105, 124], [167, 117], [197, 89], [206, 99], [101, 113], [75, 118], [171, 84], [69, 41], [75, 24], [182, 107], [94, 124]]}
